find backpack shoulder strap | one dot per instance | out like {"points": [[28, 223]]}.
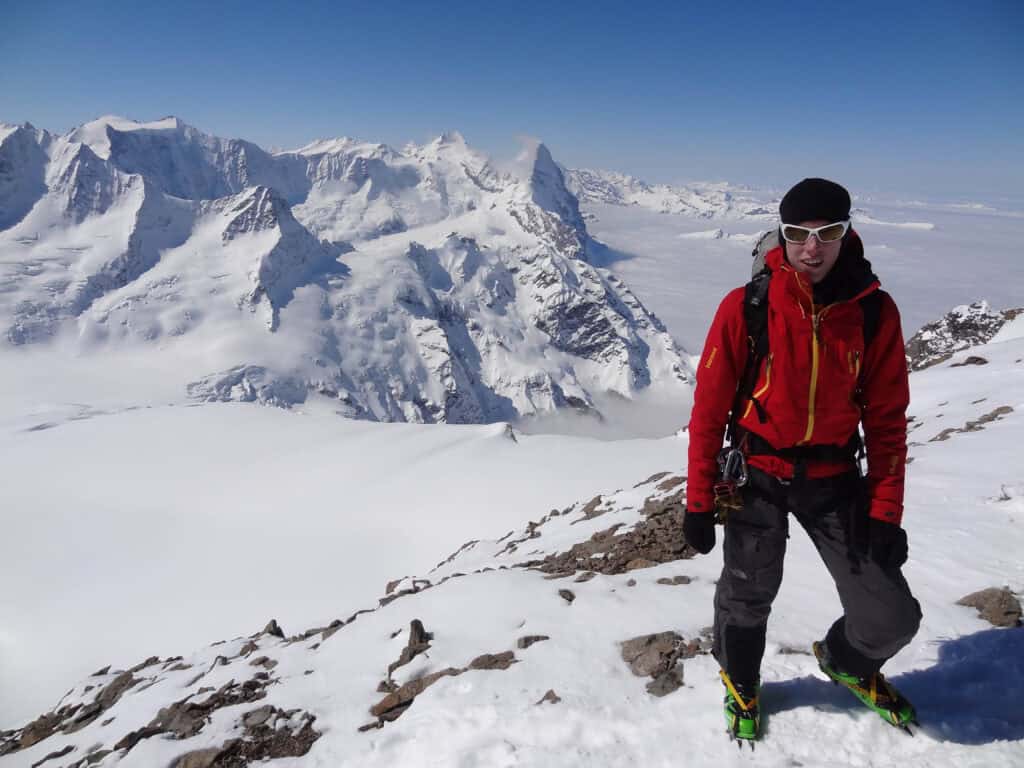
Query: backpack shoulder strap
{"points": [[871, 309], [755, 317]]}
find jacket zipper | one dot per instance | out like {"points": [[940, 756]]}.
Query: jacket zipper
{"points": [[815, 358]]}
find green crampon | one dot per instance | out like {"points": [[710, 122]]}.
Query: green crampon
{"points": [[875, 692], [742, 716]]}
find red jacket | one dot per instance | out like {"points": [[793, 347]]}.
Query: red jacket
{"points": [[806, 385]]}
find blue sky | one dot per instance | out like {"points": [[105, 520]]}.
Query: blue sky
{"points": [[922, 98]]}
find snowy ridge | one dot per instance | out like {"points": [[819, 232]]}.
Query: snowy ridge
{"points": [[596, 652], [964, 326], [412, 285], [706, 201]]}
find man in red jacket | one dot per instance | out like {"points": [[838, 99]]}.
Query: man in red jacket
{"points": [[822, 377]]}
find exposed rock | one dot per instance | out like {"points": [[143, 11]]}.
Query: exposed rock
{"points": [[406, 693], [551, 697], [248, 648], [419, 641], [528, 640], [970, 360], [283, 734], [787, 650], [263, 661], [53, 755], [585, 576], [638, 563], [652, 654], [187, 717], [199, 758], [666, 682], [657, 538], [567, 595], [675, 580], [974, 426], [147, 663], [274, 629], [962, 327], [998, 606], [502, 660]]}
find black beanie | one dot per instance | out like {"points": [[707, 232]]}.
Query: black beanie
{"points": [[814, 199]]}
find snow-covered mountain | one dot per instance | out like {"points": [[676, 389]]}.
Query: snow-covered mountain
{"points": [[419, 285], [964, 326], [579, 638], [706, 201]]}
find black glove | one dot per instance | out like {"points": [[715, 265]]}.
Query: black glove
{"points": [[887, 543], [699, 530]]}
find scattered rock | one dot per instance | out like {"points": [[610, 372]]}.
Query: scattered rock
{"points": [[652, 654], [666, 682], [525, 642], [671, 483], [274, 629], [566, 595], [403, 697], [282, 734], [788, 650], [656, 538], [631, 583], [970, 360], [638, 563], [419, 641], [249, 648], [263, 661], [257, 716], [53, 755], [675, 580], [502, 660], [199, 758], [147, 663], [187, 717], [997, 606], [585, 576], [658, 656], [976, 425], [551, 697]]}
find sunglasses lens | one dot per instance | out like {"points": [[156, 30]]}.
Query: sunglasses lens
{"points": [[831, 233], [794, 234]]}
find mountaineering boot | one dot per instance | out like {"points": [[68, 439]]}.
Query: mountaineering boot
{"points": [[875, 691], [742, 716]]}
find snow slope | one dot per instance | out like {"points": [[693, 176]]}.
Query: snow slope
{"points": [[517, 610]]}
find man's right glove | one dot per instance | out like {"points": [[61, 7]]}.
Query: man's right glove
{"points": [[699, 530]]}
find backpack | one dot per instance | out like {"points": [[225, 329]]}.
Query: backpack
{"points": [[755, 315]]}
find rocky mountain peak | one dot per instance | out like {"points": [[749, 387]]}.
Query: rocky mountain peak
{"points": [[964, 326]]}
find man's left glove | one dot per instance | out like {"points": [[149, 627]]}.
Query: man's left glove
{"points": [[699, 530], [887, 543]]}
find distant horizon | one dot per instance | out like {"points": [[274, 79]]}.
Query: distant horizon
{"points": [[516, 143]]}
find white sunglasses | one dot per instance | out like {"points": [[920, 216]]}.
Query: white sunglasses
{"points": [[828, 233]]}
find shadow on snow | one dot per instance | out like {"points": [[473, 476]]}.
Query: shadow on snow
{"points": [[970, 696]]}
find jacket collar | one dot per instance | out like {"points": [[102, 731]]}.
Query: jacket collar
{"points": [[849, 280]]}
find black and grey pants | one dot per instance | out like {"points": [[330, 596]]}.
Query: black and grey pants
{"points": [[880, 616]]}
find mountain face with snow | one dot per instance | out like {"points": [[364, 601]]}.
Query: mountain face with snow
{"points": [[419, 285], [705, 201], [964, 326]]}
